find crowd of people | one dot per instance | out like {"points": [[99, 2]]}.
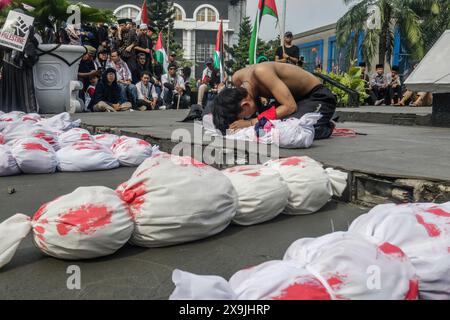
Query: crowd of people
{"points": [[387, 88], [119, 71]]}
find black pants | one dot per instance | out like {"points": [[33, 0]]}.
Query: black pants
{"points": [[144, 103]]}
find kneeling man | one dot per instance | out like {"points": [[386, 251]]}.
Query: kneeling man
{"points": [[295, 91]]}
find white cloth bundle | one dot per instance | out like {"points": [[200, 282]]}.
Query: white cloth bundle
{"points": [[131, 152], [8, 165], [422, 231], [106, 139], [86, 156], [34, 155], [87, 223], [311, 186], [262, 193], [176, 200], [74, 135]]}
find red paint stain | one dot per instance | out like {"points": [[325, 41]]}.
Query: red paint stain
{"points": [[413, 292], [432, 230], [334, 281], [129, 194], [390, 249], [188, 161], [48, 138], [438, 212], [2, 139], [85, 220], [294, 161], [86, 145], [253, 174], [312, 290], [25, 118], [143, 142], [39, 229], [142, 172], [85, 136], [103, 136], [40, 237], [35, 146]]}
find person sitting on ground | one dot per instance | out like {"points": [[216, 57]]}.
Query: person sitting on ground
{"points": [[91, 89], [173, 93], [290, 53], [124, 78], [102, 59], [395, 86], [380, 85], [210, 80], [296, 91], [107, 96], [147, 96], [419, 99], [145, 44]]}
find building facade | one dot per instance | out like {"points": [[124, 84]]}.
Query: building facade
{"points": [[319, 46], [196, 23]]}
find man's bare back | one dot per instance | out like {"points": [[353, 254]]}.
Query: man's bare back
{"points": [[299, 82]]}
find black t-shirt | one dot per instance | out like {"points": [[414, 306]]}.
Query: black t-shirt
{"points": [[86, 67], [293, 52]]}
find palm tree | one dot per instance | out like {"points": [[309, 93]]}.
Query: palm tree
{"points": [[436, 23], [402, 14]]}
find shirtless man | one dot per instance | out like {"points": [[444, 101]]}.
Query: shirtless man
{"points": [[295, 90]]}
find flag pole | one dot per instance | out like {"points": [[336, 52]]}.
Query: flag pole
{"points": [[283, 25]]}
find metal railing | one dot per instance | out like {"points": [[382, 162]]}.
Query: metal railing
{"points": [[353, 95]]}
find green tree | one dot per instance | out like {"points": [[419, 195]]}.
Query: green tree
{"points": [[161, 14], [403, 14], [436, 22]]}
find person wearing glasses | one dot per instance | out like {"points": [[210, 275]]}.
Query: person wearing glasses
{"points": [[173, 94]]}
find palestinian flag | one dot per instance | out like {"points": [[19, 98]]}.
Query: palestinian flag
{"points": [[218, 54], [144, 13], [265, 7], [160, 53]]}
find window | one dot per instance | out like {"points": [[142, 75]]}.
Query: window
{"points": [[127, 11], [312, 52], [204, 51], [206, 14], [178, 14]]}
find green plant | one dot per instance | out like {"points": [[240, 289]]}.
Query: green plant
{"points": [[352, 80]]}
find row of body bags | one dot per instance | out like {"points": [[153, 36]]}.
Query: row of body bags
{"points": [[29, 144], [154, 209]]}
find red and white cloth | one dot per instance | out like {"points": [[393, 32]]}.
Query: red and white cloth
{"points": [[87, 223], [176, 200], [262, 193], [106, 139], [86, 156], [131, 152], [34, 155], [339, 266], [21, 130], [422, 231], [8, 165], [74, 135], [311, 186]]}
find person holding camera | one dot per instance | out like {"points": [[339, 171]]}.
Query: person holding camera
{"points": [[289, 53]]}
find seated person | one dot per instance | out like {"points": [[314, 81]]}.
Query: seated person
{"points": [[296, 91], [124, 77], [395, 86], [380, 86], [371, 99], [210, 80], [91, 89], [173, 94], [107, 96], [139, 67], [147, 96]]}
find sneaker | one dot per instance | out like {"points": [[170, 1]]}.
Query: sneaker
{"points": [[142, 108], [163, 108], [379, 102]]}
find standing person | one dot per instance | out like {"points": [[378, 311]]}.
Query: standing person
{"points": [[291, 53], [114, 38], [17, 82], [296, 91], [173, 87], [124, 77], [127, 40], [102, 33], [145, 44], [147, 96], [380, 85], [107, 96]]}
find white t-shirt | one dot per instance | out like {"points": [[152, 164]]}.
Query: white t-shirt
{"points": [[177, 81], [146, 91]]}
